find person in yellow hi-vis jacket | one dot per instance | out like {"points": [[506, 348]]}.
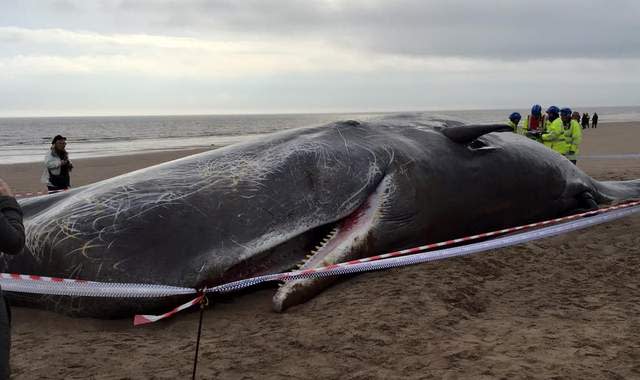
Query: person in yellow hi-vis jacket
{"points": [[514, 120], [572, 135], [553, 137]]}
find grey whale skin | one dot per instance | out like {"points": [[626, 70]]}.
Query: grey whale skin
{"points": [[338, 192]]}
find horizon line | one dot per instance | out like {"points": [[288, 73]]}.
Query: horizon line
{"points": [[290, 112]]}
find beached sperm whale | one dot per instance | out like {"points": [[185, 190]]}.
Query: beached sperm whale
{"points": [[338, 192]]}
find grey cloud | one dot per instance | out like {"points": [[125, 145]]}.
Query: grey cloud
{"points": [[603, 32], [64, 6], [511, 30], [497, 29], [291, 93]]}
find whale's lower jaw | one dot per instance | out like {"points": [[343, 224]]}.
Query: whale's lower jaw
{"points": [[348, 241]]}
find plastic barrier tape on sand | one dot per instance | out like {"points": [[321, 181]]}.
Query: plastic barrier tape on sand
{"points": [[69, 287]]}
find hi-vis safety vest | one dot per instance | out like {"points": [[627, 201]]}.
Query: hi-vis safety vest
{"points": [[527, 127], [513, 126], [573, 137], [554, 136]]}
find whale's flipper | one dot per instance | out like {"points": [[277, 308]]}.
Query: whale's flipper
{"points": [[612, 191], [465, 134]]}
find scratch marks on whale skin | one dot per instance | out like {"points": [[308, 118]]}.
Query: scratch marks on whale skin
{"points": [[246, 247], [76, 271], [117, 265], [403, 168], [89, 222], [346, 145], [83, 250]]}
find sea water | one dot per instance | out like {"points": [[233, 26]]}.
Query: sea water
{"points": [[28, 139]]}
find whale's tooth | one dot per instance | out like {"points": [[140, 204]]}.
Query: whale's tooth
{"points": [[308, 257]]}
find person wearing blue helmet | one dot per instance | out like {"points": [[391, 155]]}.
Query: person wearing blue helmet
{"points": [[534, 123], [514, 120], [553, 137], [572, 135]]}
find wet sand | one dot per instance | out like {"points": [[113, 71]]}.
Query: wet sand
{"points": [[564, 307], [25, 177]]}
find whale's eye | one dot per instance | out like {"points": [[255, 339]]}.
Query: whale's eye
{"points": [[477, 144]]}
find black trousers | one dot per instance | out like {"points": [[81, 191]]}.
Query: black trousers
{"points": [[5, 337]]}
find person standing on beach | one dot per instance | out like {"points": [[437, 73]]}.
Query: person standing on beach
{"points": [[594, 120], [572, 136], [576, 116], [514, 120], [534, 124], [585, 120], [57, 166], [588, 119], [11, 243], [553, 138]]}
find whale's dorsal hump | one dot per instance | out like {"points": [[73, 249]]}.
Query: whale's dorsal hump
{"points": [[465, 134]]}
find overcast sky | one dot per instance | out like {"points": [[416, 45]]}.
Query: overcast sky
{"points": [[130, 57]]}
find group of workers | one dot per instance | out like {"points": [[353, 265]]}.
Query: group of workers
{"points": [[557, 130]]}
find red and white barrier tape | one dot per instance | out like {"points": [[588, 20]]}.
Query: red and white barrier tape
{"points": [[144, 319], [57, 286], [31, 194], [36, 193], [22, 283], [363, 265], [392, 260]]}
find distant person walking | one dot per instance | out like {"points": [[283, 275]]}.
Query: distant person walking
{"points": [[57, 169], [594, 120], [11, 243]]}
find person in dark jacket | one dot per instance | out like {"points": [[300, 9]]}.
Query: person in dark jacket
{"points": [[57, 166], [585, 120], [11, 243]]}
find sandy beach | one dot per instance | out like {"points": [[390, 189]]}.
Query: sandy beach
{"points": [[25, 178], [564, 307]]}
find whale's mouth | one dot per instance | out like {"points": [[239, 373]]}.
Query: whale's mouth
{"points": [[333, 242], [347, 239], [342, 236]]}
